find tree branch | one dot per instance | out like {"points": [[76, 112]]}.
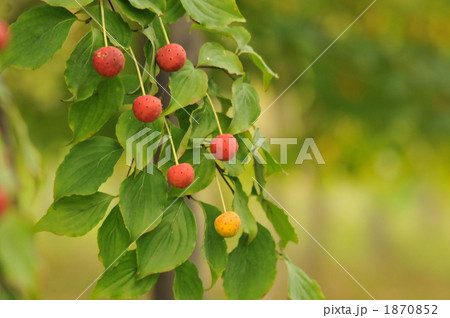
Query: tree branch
{"points": [[224, 177]]}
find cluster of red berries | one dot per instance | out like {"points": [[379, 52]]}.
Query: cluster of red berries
{"points": [[109, 62]]}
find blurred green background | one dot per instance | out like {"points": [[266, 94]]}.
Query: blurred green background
{"points": [[378, 107]]}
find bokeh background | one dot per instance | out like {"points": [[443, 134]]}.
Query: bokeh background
{"points": [[378, 107]]}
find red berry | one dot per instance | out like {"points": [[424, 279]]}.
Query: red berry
{"points": [[108, 61], [4, 201], [224, 147], [147, 108], [171, 58], [4, 35], [181, 176]]}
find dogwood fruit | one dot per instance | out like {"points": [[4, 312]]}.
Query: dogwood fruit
{"points": [[171, 58], [147, 108], [224, 147], [181, 176], [108, 61], [227, 224]]}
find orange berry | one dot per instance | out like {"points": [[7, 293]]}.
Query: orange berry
{"points": [[227, 224]]}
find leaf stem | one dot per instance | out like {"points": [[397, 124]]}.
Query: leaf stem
{"points": [[171, 141], [138, 71], [215, 113], [164, 29], [221, 195], [102, 10]]}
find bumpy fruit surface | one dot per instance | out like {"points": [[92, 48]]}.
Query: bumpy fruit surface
{"points": [[181, 176], [4, 35], [147, 108], [224, 147], [227, 224], [4, 201], [108, 61], [171, 58]]}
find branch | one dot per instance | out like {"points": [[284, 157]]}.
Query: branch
{"points": [[112, 7], [223, 177]]}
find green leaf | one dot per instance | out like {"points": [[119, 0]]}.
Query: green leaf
{"points": [[177, 135], [236, 32], [143, 138], [300, 286], [17, 255], [280, 222], [142, 200], [157, 6], [240, 206], [246, 106], [113, 237], [36, 36], [204, 172], [187, 285], [81, 77], [118, 31], [121, 282], [272, 165], [213, 54], [213, 89], [184, 116], [88, 116], [69, 4], [203, 121], [75, 215], [132, 88], [268, 74], [213, 12], [214, 246], [87, 166], [251, 268], [159, 34], [174, 11], [187, 86], [224, 121], [259, 176], [142, 16], [171, 243], [150, 49]]}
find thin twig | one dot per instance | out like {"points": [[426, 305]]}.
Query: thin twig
{"points": [[131, 166], [111, 5], [224, 177]]}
